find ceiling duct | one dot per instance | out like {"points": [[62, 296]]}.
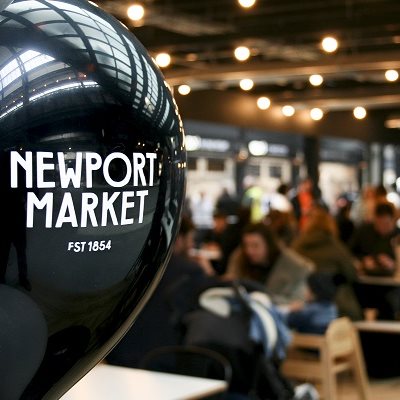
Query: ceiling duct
{"points": [[172, 21]]}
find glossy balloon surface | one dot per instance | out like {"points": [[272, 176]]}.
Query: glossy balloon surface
{"points": [[92, 171], [4, 4]]}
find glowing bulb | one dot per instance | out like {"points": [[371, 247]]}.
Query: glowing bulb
{"points": [[136, 12], [246, 84], [316, 114], [163, 60], [360, 112], [391, 75], [247, 3], [263, 103], [288, 111], [242, 53], [258, 147], [184, 90], [316, 80], [329, 44]]}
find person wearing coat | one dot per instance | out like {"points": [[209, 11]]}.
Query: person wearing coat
{"points": [[319, 241], [260, 258]]}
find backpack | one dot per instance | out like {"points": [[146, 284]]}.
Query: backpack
{"points": [[245, 328]]}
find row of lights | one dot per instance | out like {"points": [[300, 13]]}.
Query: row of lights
{"points": [[329, 44], [264, 103], [315, 80], [136, 12], [243, 53], [316, 114], [391, 75]]}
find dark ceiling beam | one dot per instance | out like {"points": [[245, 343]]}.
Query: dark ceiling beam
{"points": [[240, 109], [170, 20], [329, 65], [374, 97], [305, 30], [297, 22]]}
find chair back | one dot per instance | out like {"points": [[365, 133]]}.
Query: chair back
{"points": [[335, 352], [340, 338]]}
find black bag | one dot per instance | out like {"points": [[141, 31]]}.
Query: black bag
{"points": [[269, 383]]}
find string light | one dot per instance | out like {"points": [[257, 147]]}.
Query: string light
{"points": [[247, 3], [263, 103], [329, 44], [136, 12], [316, 80], [316, 114], [360, 112], [246, 84], [288, 111], [163, 60], [391, 75], [184, 90], [242, 53]]}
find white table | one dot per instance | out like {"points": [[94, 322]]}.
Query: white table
{"points": [[107, 382]]}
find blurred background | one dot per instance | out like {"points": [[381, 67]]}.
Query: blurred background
{"points": [[273, 91]]}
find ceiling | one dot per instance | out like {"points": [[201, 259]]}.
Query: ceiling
{"points": [[284, 37]]}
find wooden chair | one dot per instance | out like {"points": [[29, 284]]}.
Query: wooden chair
{"points": [[337, 351]]}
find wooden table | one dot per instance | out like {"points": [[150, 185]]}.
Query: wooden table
{"points": [[107, 382], [379, 341], [378, 326]]}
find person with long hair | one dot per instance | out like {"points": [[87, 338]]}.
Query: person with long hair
{"points": [[261, 259], [319, 241]]}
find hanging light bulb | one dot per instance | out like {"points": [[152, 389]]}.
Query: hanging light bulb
{"points": [[329, 44], [391, 75], [247, 3], [163, 60], [360, 112], [316, 114], [136, 12], [316, 80], [246, 84], [184, 90], [263, 103], [288, 111], [242, 53]]}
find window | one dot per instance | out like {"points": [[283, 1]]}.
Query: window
{"points": [[275, 171], [192, 164], [216, 164], [253, 170]]}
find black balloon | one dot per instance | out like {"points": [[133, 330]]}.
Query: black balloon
{"points": [[92, 172], [4, 4]]}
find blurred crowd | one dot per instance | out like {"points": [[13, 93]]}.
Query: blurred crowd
{"points": [[288, 246]]}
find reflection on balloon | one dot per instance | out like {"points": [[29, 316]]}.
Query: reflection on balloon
{"points": [[4, 4], [92, 170]]}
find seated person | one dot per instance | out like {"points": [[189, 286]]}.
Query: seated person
{"points": [[318, 311], [319, 242], [260, 258], [372, 243]]}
